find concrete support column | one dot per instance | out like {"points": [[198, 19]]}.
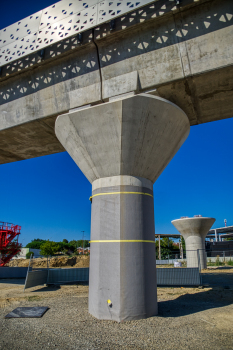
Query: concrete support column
{"points": [[216, 235], [122, 147], [122, 259], [194, 231]]}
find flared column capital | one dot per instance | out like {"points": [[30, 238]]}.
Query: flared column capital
{"points": [[135, 136], [196, 226]]}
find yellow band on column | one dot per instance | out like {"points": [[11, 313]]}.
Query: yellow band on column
{"points": [[107, 193]]}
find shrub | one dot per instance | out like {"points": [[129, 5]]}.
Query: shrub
{"points": [[230, 262], [29, 254], [218, 263], [49, 248]]}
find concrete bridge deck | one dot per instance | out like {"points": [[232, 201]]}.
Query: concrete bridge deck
{"points": [[183, 53]]}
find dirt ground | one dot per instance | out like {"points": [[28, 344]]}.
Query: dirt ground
{"points": [[63, 261], [189, 318]]}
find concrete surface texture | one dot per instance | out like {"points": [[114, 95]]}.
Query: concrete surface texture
{"points": [[122, 260], [122, 147], [135, 136], [182, 53], [194, 231]]}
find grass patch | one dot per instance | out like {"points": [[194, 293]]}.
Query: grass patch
{"points": [[217, 262], [33, 298]]}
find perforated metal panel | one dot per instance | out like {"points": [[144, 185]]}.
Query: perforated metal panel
{"points": [[107, 10], [67, 27], [57, 22], [23, 28]]}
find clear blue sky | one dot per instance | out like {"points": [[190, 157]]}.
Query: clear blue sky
{"points": [[49, 196]]}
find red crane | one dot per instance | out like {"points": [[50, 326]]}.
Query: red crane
{"points": [[9, 245]]}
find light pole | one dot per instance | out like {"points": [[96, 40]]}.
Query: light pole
{"points": [[83, 240]]}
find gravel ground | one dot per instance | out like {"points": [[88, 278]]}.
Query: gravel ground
{"points": [[189, 318]]}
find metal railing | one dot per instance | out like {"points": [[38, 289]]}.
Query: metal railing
{"points": [[6, 226]]}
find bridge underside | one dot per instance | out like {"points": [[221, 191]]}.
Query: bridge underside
{"points": [[209, 96], [183, 55]]}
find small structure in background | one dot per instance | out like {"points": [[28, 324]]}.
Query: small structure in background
{"points": [[24, 251], [194, 231], [84, 251], [9, 245]]}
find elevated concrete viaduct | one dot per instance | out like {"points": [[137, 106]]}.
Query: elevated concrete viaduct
{"points": [[183, 53], [125, 94]]}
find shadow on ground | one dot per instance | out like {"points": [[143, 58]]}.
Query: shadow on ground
{"points": [[192, 303], [221, 279], [53, 287]]}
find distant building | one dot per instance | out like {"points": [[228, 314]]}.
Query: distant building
{"points": [[24, 251], [85, 251], [224, 248]]}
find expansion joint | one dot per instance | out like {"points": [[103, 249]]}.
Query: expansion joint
{"points": [[98, 58]]}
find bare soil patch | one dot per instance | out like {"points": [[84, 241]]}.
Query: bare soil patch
{"points": [[61, 261]]}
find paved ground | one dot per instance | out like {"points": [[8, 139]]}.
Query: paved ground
{"points": [[189, 318]]}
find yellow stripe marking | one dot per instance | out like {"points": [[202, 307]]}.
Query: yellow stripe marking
{"points": [[122, 240], [107, 193]]}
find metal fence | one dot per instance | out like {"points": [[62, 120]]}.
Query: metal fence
{"points": [[218, 257], [56, 276], [165, 276], [13, 272], [170, 261], [178, 276], [193, 258], [36, 278], [68, 275]]}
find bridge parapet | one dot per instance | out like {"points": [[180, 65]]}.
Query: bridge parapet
{"points": [[59, 21]]}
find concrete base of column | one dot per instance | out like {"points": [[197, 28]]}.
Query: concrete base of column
{"points": [[195, 252], [122, 262]]}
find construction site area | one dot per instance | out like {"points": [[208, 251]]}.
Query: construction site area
{"points": [[195, 303], [189, 318], [115, 138]]}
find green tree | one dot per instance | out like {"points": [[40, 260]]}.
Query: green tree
{"points": [[183, 243], [35, 243], [167, 247], [65, 247], [65, 241], [86, 243], [29, 254], [74, 244], [49, 248]]}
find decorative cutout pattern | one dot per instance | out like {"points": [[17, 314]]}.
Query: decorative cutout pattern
{"points": [[20, 29], [57, 22]]}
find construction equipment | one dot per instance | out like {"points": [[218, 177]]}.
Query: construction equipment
{"points": [[9, 245]]}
